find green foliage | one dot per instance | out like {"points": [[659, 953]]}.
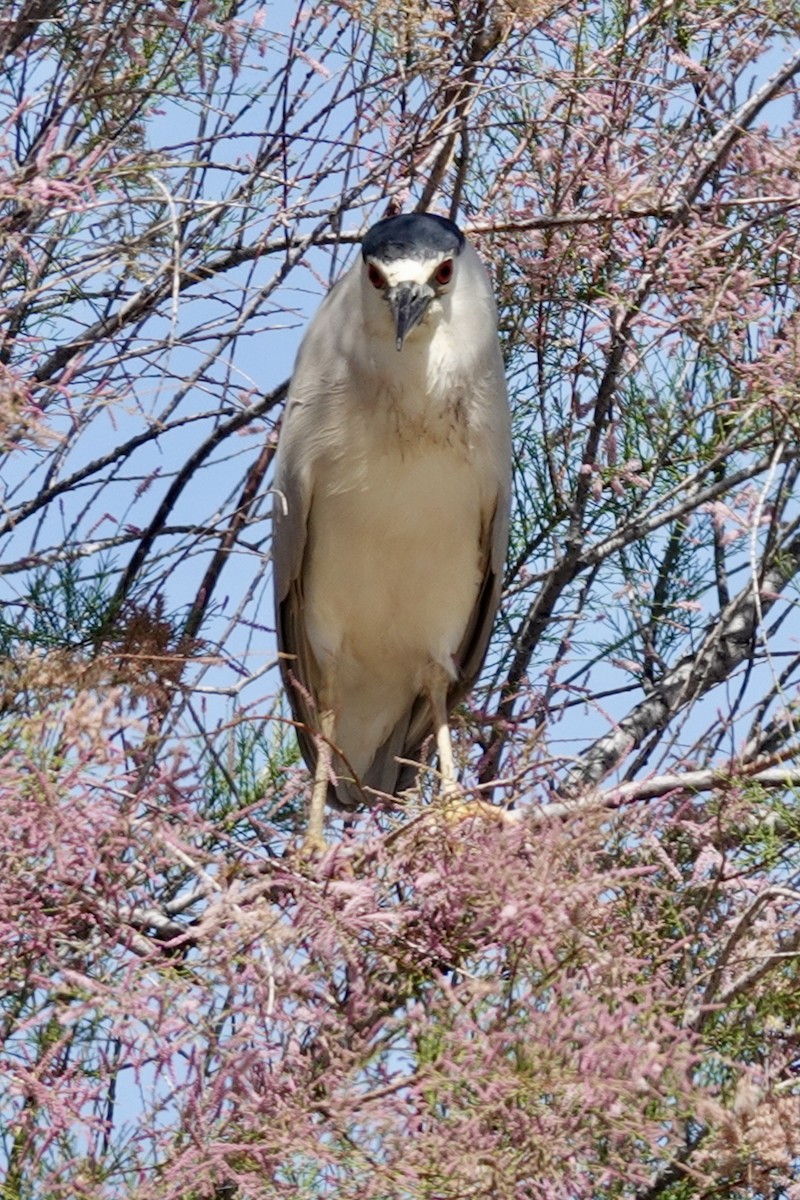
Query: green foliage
{"points": [[59, 607]]}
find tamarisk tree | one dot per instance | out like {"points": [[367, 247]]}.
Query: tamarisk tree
{"points": [[592, 996]]}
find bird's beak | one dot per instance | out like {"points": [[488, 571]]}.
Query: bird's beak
{"points": [[408, 302]]}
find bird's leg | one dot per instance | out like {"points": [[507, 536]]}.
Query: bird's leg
{"points": [[314, 841], [437, 695], [456, 808]]}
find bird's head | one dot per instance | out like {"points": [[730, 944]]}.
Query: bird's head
{"points": [[409, 262]]}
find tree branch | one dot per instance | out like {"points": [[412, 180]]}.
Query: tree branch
{"points": [[727, 645]]}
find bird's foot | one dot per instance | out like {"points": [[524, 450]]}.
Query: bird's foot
{"points": [[306, 853], [457, 808], [451, 792], [307, 859], [452, 801], [312, 847]]}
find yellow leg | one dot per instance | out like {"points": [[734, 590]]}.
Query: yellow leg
{"points": [[437, 694], [456, 808], [314, 841]]}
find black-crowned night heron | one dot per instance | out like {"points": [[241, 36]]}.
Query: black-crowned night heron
{"points": [[390, 519]]}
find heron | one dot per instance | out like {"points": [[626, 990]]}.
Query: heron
{"points": [[390, 512]]}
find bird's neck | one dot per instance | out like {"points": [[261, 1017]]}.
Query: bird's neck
{"points": [[426, 395]]}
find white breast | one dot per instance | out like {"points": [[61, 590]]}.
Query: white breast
{"points": [[396, 593]]}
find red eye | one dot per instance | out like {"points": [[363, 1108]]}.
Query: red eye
{"points": [[375, 277], [444, 272]]}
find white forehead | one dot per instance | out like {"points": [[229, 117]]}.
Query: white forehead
{"points": [[408, 270]]}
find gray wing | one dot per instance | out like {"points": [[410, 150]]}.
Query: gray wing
{"points": [[290, 507], [314, 381], [476, 639]]}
